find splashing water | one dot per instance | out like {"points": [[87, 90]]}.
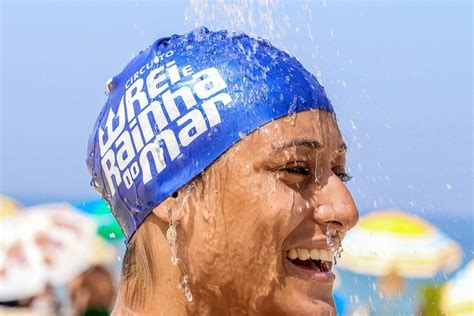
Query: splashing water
{"points": [[292, 110], [184, 285], [333, 240], [171, 236], [268, 19], [330, 234], [257, 17]]}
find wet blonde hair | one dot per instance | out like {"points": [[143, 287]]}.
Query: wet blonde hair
{"points": [[139, 272]]}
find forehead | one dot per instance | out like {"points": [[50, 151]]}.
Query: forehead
{"points": [[309, 126]]}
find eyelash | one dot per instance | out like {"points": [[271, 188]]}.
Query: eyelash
{"points": [[345, 177], [299, 170]]}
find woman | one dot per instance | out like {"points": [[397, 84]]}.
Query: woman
{"points": [[221, 158]]}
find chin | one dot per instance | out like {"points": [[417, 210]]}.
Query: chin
{"points": [[317, 307], [305, 290], [295, 298], [300, 307]]}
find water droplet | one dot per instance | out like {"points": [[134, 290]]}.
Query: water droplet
{"points": [[109, 86], [353, 124], [174, 260]]}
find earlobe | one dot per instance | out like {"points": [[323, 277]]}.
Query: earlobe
{"points": [[161, 212], [175, 203]]}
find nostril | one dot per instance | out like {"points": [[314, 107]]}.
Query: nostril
{"points": [[335, 224]]}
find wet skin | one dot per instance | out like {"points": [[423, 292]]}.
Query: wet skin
{"points": [[280, 187]]}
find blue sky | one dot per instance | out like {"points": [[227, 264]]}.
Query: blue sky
{"points": [[398, 73]]}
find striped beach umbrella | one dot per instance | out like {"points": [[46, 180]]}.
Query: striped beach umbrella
{"points": [[47, 244], [457, 295], [392, 242]]}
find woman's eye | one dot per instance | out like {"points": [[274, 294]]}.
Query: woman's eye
{"points": [[293, 173], [297, 170]]}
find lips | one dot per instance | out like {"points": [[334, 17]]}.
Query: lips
{"points": [[313, 264]]}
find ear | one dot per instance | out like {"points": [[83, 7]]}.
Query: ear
{"points": [[162, 210]]}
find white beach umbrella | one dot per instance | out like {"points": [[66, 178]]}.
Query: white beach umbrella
{"points": [[45, 244]]}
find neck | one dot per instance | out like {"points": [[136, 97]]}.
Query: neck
{"points": [[168, 299], [158, 302], [151, 285]]}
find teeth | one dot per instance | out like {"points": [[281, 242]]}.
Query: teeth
{"points": [[325, 255], [292, 254], [305, 254], [314, 253]]}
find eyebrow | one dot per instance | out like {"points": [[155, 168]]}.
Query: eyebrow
{"points": [[306, 143]]}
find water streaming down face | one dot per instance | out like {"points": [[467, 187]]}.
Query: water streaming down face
{"points": [[250, 206], [172, 235]]}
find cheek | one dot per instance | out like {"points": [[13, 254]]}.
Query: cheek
{"points": [[258, 217], [237, 233], [258, 200]]}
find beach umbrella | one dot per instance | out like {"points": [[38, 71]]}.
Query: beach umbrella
{"points": [[392, 241], [8, 207], [395, 245], [457, 294], [45, 244], [21, 270], [99, 210]]}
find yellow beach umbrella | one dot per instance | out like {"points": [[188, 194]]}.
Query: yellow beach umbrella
{"points": [[8, 207], [458, 294], [392, 242]]}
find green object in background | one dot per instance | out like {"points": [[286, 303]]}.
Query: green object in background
{"points": [[108, 227], [430, 297], [96, 312]]}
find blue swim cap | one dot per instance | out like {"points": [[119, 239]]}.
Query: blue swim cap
{"points": [[179, 105]]}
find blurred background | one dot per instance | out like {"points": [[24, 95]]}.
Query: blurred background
{"points": [[399, 74]]}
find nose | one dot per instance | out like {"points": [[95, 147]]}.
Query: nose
{"points": [[335, 207]]}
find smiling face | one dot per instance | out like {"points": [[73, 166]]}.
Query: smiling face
{"points": [[254, 231]]}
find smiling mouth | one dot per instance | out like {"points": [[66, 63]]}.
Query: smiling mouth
{"points": [[311, 264], [314, 265]]}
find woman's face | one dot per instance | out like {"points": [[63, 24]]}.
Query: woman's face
{"points": [[276, 194]]}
